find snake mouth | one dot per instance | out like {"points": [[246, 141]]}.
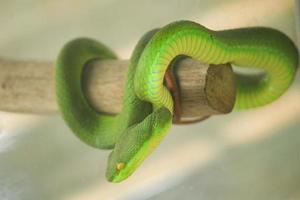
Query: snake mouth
{"points": [[114, 178]]}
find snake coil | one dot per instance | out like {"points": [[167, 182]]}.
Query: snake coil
{"points": [[147, 105]]}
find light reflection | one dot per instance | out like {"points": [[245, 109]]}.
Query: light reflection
{"points": [[6, 141]]}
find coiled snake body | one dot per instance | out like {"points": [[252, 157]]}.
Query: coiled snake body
{"points": [[147, 105]]}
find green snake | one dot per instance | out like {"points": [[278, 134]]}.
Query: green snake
{"points": [[147, 104]]}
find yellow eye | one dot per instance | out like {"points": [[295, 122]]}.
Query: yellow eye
{"points": [[120, 165]]}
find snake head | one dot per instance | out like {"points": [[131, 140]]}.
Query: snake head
{"points": [[136, 143]]}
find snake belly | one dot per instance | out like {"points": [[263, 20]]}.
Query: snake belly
{"points": [[147, 105]]}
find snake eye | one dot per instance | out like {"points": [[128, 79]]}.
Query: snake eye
{"points": [[120, 165]]}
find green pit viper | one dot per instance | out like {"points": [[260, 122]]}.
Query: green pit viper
{"points": [[147, 104]]}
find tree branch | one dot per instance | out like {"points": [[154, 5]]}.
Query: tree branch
{"points": [[28, 87]]}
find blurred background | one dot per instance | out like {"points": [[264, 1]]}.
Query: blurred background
{"points": [[243, 155]]}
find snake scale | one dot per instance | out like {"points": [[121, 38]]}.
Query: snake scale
{"points": [[147, 104]]}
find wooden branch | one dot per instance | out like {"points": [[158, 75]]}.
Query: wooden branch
{"points": [[28, 86]]}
